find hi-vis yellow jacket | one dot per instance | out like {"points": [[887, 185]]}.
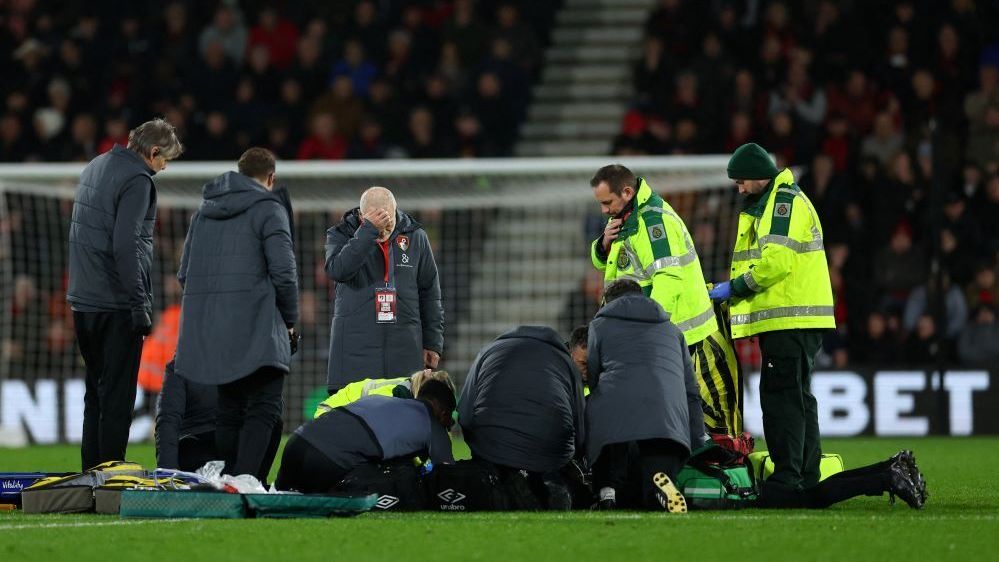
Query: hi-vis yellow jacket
{"points": [[780, 279], [655, 249], [357, 390]]}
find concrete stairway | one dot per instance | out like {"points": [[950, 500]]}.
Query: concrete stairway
{"points": [[586, 81]]}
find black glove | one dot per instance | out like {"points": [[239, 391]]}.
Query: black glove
{"points": [[141, 323], [293, 339]]}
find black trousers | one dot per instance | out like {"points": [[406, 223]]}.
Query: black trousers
{"points": [[871, 480], [111, 352], [628, 468], [790, 412], [532, 491], [249, 410], [193, 451], [306, 469]]}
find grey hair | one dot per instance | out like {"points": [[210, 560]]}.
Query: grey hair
{"points": [[377, 198], [159, 133]]}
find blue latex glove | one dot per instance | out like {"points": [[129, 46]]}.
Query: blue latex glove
{"points": [[721, 291]]}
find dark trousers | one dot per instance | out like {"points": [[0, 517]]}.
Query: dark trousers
{"points": [[306, 469], [111, 352], [249, 410], [790, 414], [871, 480], [532, 491], [193, 451], [628, 468]]}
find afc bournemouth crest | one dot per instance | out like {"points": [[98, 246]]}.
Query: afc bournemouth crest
{"points": [[403, 242], [782, 209], [622, 261]]}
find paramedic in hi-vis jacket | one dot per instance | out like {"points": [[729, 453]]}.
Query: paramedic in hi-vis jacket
{"points": [[646, 241], [780, 292]]}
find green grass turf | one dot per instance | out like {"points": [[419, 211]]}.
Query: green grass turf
{"points": [[960, 522]]}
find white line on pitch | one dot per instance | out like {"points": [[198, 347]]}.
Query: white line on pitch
{"points": [[116, 522]]}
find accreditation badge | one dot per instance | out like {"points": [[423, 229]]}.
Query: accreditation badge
{"points": [[385, 305]]}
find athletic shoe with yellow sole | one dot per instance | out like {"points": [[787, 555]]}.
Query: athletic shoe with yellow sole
{"points": [[668, 495]]}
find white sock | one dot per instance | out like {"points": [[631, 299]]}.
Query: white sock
{"points": [[608, 494]]}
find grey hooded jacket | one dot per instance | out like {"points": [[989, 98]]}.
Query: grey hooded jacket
{"points": [[240, 284], [111, 235], [361, 348], [641, 378], [522, 403]]}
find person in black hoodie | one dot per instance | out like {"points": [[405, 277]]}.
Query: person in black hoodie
{"points": [[186, 411], [521, 409], [240, 306], [644, 413]]}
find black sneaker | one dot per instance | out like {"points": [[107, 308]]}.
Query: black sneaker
{"points": [[899, 484], [907, 461], [667, 494]]}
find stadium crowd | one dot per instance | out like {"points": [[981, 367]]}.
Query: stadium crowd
{"points": [[857, 96], [451, 78], [310, 80]]}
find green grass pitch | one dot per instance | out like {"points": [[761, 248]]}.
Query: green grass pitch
{"points": [[960, 522]]}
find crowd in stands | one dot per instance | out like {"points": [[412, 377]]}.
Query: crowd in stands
{"points": [[890, 112], [310, 80]]}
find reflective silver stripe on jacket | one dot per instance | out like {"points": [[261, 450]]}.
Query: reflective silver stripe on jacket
{"points": [[636, 265], [374, 384], [698, 320], [671, 261], [788, 242], [750, 282], [815, 245], [746, 255], [781, 312]]}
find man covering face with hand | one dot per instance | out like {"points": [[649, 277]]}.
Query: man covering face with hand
{"points": [[388, 320]]}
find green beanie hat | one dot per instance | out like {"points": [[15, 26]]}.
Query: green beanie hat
{"points": [[751, 162]]}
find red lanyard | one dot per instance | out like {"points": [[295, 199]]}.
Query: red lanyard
{"points": [[385, 252]]}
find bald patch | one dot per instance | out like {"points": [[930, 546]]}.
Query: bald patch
{"points": [[377, 198]]}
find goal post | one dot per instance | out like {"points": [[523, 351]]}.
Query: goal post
{"points": [[510, 237]]}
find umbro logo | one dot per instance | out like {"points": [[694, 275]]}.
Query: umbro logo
{"points": [[451, 496], [386, 502]]}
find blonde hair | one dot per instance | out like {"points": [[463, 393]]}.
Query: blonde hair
{"points": [[418, 378]]}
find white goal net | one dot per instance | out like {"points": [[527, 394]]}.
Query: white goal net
{"points": [[510, 238]]}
